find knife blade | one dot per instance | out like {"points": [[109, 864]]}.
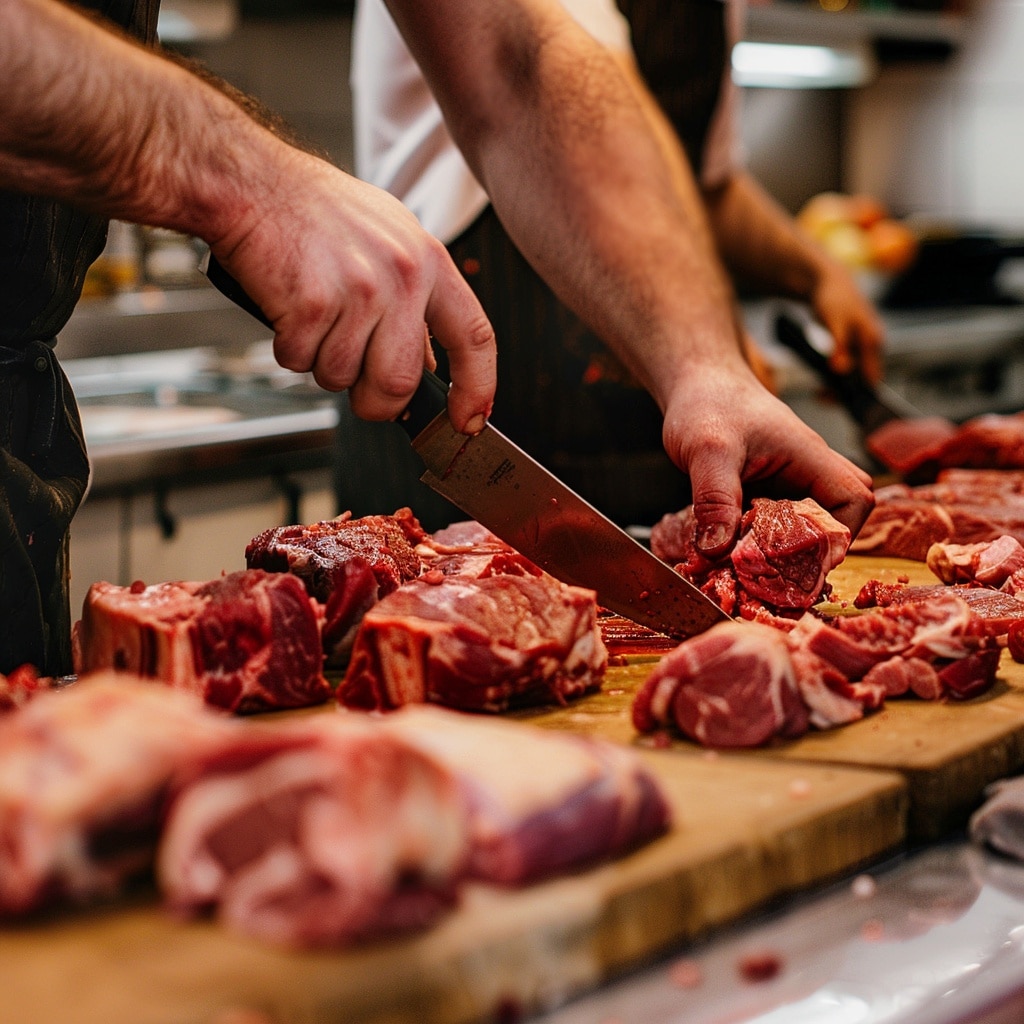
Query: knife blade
{"points": [[496, 483], [499, 485]]}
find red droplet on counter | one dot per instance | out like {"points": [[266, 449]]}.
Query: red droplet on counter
{"points": [[137, 587], [554, 502], [644, 595], [758, 967]]}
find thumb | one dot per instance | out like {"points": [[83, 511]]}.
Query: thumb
{"points": [[717, 509]]}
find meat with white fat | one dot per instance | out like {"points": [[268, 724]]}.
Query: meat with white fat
{"points": [[732, 686], [83, 773], [247, 641], [483, 644], [320, 832], [542, 802]]}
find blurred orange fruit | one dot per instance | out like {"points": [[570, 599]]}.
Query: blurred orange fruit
{"points": [[892, 246]]}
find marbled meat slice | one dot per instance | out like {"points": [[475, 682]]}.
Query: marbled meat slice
{"points": [[903, 526], [83, 774], [731, 686], [988, 563], [484, 644], [319, 832], [246, 641], [346, 564], [742, 683], [542, 802]]}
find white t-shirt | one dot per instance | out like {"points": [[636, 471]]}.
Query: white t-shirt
{"points": [[403, 146]]}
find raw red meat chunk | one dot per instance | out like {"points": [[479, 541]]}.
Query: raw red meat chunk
{"points": [[83, 772], [483, 644], [733, 686], [911, 446], [989, 563], [918, 448], [786, 550], [245, 642], [781, 561], [319, 832], [541, 802], [346, 564], [963, 506]]}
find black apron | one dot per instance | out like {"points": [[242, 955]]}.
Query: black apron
{"points": [[45, 250], [562, 396]]}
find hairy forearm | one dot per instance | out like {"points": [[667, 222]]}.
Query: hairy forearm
{"points": [[568, 157], [89, 117], [760, 243]]}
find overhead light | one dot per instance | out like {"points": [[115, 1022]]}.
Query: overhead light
{"points": [[796, 66]]}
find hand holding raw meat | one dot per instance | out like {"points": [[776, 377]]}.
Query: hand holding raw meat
{"points": [[729, 434]]}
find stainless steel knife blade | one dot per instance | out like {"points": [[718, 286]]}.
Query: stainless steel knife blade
{"points": [[496, 483]]}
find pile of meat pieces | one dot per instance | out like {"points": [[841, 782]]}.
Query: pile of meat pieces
{"points": [[792, 667], [917, 449], [962, 506], [459, 619], [315, 831]]}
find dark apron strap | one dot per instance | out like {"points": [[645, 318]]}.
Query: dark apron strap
{"points": [[44, 472]]}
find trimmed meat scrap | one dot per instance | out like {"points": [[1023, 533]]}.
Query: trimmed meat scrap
{"points": [[319, 832], [542, 803], [484, 644], [245, 642], [83, 772]]}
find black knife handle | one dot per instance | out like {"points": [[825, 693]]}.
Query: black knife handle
{"points": [[428, 401], [227, 285], [851, 389]]}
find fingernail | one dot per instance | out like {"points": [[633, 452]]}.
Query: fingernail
{"points": [[712, 536], [476, 424]]}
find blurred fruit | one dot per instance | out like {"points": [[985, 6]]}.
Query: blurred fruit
{"points": [[857, 231], [892, 245], [848, 244]]}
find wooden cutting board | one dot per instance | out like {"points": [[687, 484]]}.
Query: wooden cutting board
{"points": [[947, 752], [745, 831]]}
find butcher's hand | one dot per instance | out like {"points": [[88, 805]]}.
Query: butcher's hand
{"points": [[351, 282], [851, 319], [733, 437]]}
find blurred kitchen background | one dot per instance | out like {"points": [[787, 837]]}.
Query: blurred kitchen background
{"points": [[199, 442]]}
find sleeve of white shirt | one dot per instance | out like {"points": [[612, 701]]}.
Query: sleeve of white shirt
{"points": [[401, 142]]}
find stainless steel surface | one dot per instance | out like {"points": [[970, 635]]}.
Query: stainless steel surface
{"points": [[936, 937], [499, 485], [162, 416]]}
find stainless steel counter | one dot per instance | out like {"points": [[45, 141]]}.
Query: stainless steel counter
{"points": [[194, 414], [934, 937]]}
